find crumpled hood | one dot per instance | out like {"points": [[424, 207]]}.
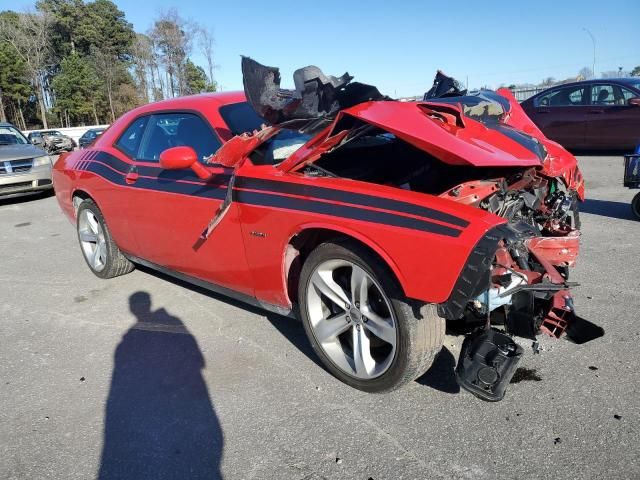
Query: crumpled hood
{"points": [[19, 152], [456, 134]]}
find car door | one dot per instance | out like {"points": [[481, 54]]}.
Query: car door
{"points": [[560, 114], [172, 208], [613, 123]]}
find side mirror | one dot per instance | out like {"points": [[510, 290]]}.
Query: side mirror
{"points": [[634, 102], [179, 158], [36, 141]]}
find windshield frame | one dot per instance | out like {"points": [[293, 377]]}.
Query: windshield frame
{"points": [[19, 134]]}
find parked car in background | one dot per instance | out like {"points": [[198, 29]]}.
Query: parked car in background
{"points": [[52, 141], [594, 114], [24, 168], [89, 136]]}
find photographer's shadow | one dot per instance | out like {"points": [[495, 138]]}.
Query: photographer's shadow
{"points": [[159, 422]]}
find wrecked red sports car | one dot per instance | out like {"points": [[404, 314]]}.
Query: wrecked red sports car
{"points": [[376, 220]]}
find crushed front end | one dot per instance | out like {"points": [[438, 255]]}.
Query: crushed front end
{"points": [[517, 277]]}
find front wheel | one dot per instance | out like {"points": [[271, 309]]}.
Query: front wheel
{"points": [[360, 324], [101, 253], [635, 206]]}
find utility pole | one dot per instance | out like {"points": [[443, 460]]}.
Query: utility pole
{"points": [[593, 39]]}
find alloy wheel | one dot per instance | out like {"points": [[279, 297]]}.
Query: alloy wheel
{"points": [[91, 234], [351, 318]]}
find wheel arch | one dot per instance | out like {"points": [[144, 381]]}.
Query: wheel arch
{"points": [[307, 237], [82, 195]]}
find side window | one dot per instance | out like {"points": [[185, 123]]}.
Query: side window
{"points": [[627, 94], [129, 141], [602, 95], [168, 130], [241, 118], [562, 97]]}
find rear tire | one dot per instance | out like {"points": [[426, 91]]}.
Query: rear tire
{"points": [[635, 206], [102, 255], [353, 339]]}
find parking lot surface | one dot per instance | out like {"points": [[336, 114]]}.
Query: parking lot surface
{"points": [[143, 377]]}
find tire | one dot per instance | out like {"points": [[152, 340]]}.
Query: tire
{"points": [[419, 331], [635, 206], [102, 255]]}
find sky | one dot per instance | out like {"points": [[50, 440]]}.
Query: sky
{"points": [[399, 45]]}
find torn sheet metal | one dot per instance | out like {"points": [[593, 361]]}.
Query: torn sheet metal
{"points": [[444, 86], [316, 95]]}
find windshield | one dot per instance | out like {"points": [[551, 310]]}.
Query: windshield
{"points": [[11, 136], [634, 83]]}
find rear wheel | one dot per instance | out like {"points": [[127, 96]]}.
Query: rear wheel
{"points": [[98, 248], [635, 206], [360, 324]]}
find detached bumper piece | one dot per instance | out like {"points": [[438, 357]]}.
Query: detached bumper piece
{"points": [[487, 362]]}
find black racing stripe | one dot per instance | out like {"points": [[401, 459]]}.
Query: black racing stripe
{"points": [[114, 162], [117, 173], [348, 197], [159, 172], [192, 189], [354, 213], [105, 172]]}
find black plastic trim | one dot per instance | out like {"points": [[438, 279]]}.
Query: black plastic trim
{"points": [[474, 278]]}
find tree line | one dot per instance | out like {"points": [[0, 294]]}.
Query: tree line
{"points": [[71, 62]]}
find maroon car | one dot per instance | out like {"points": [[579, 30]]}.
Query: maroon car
{"points": [[594, 114]]}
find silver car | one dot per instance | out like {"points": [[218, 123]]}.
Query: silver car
{"points": [[24, 168]]}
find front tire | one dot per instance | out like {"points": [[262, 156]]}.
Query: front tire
{"points": [[360, 324], [102, 255]]}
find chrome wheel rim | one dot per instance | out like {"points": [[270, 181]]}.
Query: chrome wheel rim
{"points": [[351, 319], [94, 246]]}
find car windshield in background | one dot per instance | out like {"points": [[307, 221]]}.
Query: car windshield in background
{"points": [[11, 136], [241, 118], [634, 83]]}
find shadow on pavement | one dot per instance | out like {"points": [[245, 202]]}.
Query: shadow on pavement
{"points": [[159, 420], [607, 208], [441, 376], [26, 198]]}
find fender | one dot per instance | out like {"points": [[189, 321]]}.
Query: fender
{"points": [[369, 242]]}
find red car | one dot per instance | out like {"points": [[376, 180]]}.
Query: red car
{"points": [[595, 114], [379, 226]]}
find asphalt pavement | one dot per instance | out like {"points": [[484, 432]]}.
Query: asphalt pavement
{"points": [[144, 377]]}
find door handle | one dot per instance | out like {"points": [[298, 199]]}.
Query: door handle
{"points": [[596, 111], [132, 175], [542, 111]]}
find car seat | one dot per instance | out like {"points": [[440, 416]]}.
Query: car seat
{"points": [[603, 96]]}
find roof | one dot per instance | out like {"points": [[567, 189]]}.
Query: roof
{"points": [[216, 98]]}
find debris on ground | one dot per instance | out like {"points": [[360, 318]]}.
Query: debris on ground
{"points": [[524, 374]]}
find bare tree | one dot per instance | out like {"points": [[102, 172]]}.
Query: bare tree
{"points": [[172, 35], [205, 43], [29, 36], [142, 63], [585, 73], [106, 64]]}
